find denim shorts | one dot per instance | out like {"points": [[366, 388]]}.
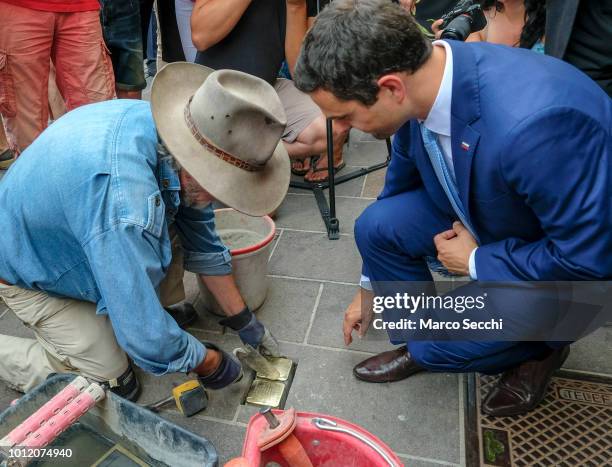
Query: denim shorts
{"points": [[123, 37]]}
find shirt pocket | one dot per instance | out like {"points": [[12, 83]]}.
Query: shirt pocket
{"points": [[155, 214]]}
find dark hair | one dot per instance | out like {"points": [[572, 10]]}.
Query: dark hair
{"points": [[353, 43], [535, 20]]}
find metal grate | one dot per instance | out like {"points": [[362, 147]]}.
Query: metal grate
{"points": [[571, 427]]}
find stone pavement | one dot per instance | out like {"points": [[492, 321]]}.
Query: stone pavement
{"points": [[312, 279]]}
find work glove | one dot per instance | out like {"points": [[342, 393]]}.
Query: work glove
{"points": [[228, 372], [252, 332]]}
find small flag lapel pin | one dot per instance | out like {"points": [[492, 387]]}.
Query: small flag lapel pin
{"points": [[465, 146]]}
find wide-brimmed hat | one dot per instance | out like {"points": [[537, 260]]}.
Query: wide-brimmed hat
{"points": [[224, 127]]}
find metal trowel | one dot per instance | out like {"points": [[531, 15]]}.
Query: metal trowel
{"points": [[263, 367]]}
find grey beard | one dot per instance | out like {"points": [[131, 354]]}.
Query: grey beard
{"points": [[190, 203]]}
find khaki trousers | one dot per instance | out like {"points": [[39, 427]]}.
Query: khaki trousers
{"points": [[70, 337]]}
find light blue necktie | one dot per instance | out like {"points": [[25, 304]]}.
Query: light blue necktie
{"points": [[430, 139]]}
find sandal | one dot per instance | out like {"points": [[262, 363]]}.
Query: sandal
{"points": [[305, 167], [315, 169]]}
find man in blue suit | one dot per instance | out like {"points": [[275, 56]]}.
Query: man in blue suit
{"points": [[501, 168]]}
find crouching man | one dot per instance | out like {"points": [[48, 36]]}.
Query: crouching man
{"points": [[103, 210], [510, 186]]}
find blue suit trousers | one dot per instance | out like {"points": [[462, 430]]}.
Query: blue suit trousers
{"points": [[394, 236]]}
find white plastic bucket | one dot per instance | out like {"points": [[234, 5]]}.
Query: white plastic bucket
{"points": [[249, 240]]}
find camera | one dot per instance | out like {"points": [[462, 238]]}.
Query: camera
{"points": [[465, 18]]}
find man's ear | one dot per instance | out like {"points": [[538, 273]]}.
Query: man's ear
{"points": [[394, 85]]}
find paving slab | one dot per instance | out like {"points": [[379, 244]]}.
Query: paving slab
{"points": [[12, 326], [314, 256], [358, 135], [366, 153], [593, 353], [327, 325], [226, 437], [301, 212], [286, 311], [374, 183]]}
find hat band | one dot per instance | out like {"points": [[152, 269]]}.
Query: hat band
{"points": [[220, 153]]}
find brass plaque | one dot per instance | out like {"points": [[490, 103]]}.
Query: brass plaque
{"points": [[280, 364], [266, 393]]}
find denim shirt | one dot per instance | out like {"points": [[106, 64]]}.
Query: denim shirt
{"points": [[85, 212]]}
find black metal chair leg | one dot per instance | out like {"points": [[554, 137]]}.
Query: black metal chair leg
{"points": [[328, 208], [333, 227]]}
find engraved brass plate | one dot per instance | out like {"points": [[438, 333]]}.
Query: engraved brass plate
{"points": [[265, 393], [280, 364]]}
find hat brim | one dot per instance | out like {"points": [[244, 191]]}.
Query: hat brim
{"points": [[253, 193]]}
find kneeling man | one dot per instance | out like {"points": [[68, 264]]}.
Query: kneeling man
{"points": [[103, 210], [501, 169]]}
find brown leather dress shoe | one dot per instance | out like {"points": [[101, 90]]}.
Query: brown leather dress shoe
{"points": [[521, 389], [386, 367]]}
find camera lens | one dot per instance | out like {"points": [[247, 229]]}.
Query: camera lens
{"points": [[458, 29]]}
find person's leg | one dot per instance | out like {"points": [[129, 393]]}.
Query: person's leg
{"points": [[395, 235], [25, 48], [123, 36], [319, 171], [483, 357], [305, 134], [83, 67], [160, 59], [183, 20], [57, 106], [24, 363], [70, 337]]}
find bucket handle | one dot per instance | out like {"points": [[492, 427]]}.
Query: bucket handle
{"points": [[330, 425]]}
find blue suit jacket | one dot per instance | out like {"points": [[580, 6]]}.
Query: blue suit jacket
{"points": [[532, 150]]}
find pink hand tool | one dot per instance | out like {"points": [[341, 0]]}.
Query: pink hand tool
{"points": [[65, 417], [51, 408]]}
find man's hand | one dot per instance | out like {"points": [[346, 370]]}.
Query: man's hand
{"points": [[435, 27], [358, 315], [251, 331], [454, 248]]}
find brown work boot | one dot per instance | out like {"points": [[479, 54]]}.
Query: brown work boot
{"points": [[522, 388]]}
